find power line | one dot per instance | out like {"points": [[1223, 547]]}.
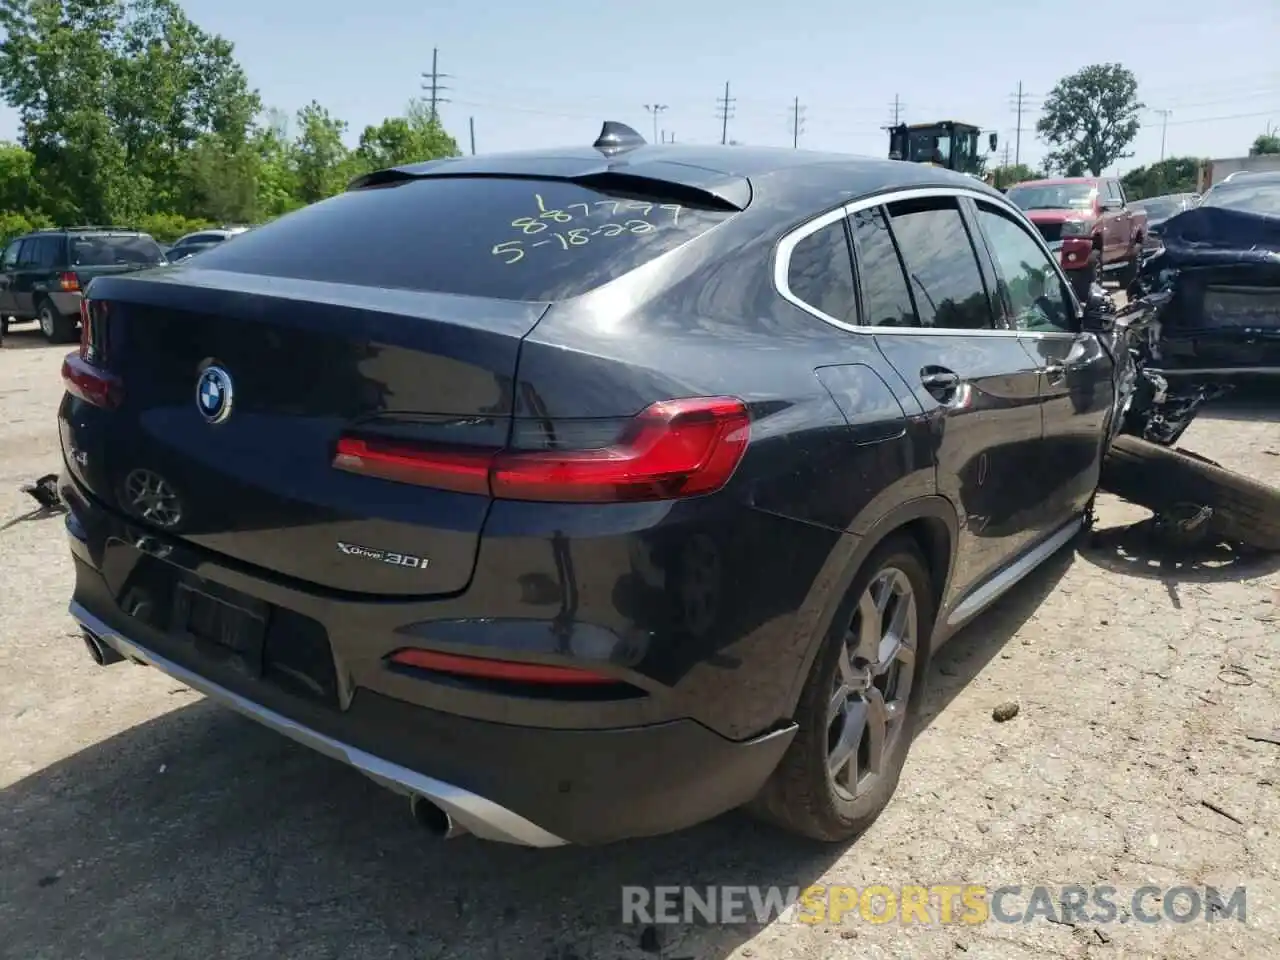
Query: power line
{"points": [[797, 122], [1164, 126], [724, 112], [898, 106], [1273, 93], [1229, 116], [1019, 105], [435, 87], [654, 109], [1222, 86]]}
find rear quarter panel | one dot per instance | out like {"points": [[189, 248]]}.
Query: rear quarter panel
{"points": [[837, 444]]}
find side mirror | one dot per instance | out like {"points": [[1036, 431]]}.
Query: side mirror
{"points": [[1099, 311], [1110, 203]]}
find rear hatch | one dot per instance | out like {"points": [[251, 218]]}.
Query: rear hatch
{"points": [[99, 254], [389, 314]]}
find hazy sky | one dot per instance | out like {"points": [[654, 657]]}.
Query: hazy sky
{"points": [[547, 72]]}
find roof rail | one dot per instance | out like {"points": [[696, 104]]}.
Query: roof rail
{"points": [[87, 227]]}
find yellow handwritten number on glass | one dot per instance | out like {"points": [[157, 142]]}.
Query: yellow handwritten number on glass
{"points": [[528, 224], [511, 249], [640, 226], [559, 216], [579, 237]]}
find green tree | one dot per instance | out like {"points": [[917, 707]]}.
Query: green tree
{"points": [[1172, 175], [172, 85], [1267, 143], [276, 183], [1090, 117], [322, 161], [110, 95], [1015, 173], [413, 138]]}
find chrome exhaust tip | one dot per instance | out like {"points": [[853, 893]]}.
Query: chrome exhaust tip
{"points": [[433, 818], [103, 655]]}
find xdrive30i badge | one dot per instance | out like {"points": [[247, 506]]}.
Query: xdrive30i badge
{"points": [[384, 556]]}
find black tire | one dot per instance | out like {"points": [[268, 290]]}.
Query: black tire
{"points": [[800, 795], [1244, 510], [56, 327]]}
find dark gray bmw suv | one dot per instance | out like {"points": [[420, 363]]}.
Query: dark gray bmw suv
{"points": [[586, 494]]}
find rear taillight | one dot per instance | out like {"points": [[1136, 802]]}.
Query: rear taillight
{"points": [[82, 372], [672, 449], [89, 383], [93, 331], [69, 282]]}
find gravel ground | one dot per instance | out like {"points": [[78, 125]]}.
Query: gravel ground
{"points": [[139, 821]]}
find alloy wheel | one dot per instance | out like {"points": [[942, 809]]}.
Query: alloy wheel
{"points": [[868, 707], [46, 322]]}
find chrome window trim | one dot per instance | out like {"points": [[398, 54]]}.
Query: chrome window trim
{"points": [[785, 247]]}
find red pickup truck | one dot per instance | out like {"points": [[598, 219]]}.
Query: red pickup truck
{"points": [[1090, 221]]}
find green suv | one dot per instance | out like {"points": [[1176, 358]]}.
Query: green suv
{"points": [[42, 274]]}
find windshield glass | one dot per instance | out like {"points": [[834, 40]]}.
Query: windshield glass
{"points": [[112, 251], [1053, 196], [1243, 194], [1160, 208], [929, 146]]}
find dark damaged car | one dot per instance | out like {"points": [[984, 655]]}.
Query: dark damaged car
{"points": [[588, 494], [1216, 285]]}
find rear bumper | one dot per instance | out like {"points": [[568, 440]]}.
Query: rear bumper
{"points": [[520, 784], [67, 303]]}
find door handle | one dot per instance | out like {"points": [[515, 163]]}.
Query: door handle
{"points": [[1054, 372], [941, 383]]}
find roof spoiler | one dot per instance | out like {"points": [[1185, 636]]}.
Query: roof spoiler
{"points": [[664, 180]]}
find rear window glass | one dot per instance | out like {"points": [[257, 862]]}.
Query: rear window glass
{"points": [[513, 239], [1246, 195], [110, 251]]}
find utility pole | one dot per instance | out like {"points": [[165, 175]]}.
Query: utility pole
{"points": [[655, 109], [1006, 154], [472, 121], [1020, 99], [435, 87], [797, 121], [1164, 123], [897, 110], [724, 112]]}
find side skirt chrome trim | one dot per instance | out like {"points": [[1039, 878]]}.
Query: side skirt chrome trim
{"points": [[1005, 579], [481, 817]]}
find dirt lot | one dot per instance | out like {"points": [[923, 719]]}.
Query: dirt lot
{"points": [[138, 821]]}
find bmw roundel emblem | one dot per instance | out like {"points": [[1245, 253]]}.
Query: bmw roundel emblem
{"points": [[214, 394]]}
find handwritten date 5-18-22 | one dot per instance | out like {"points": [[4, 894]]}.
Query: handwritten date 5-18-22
{"points": [[513, 251], [549, 227]]}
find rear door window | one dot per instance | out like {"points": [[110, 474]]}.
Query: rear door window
{"points": [[109, 251], [886, 300], [942, 266], [48, 252], [513, 239], [821, 273]]}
